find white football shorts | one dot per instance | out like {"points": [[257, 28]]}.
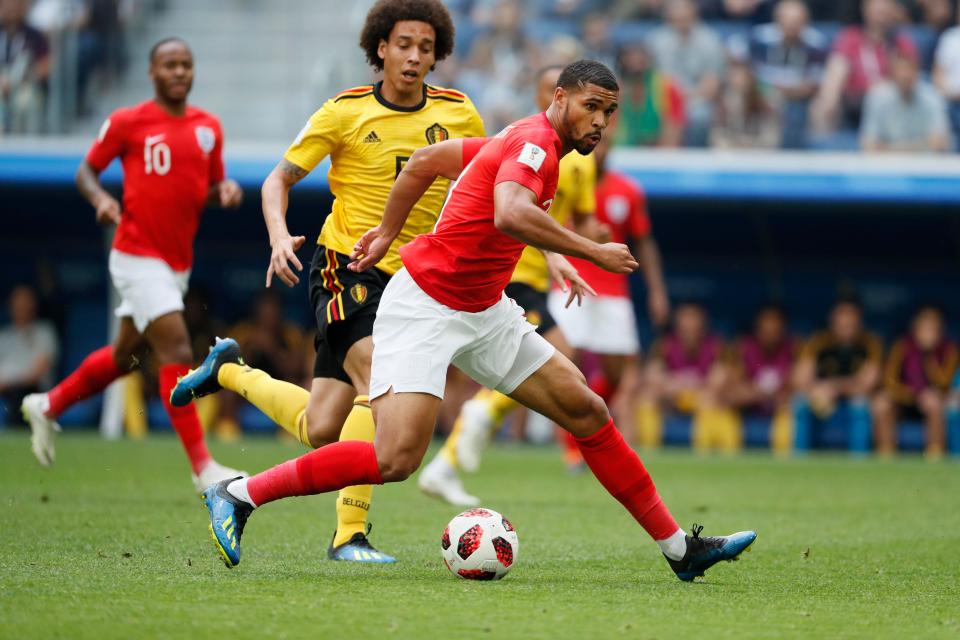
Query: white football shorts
{"points": [[603, 324], [148, 287], [415, 339]]}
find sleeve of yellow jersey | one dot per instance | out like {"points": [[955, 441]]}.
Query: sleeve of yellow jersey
{"points": [[586, 203], [474, 128], [318, 138]]}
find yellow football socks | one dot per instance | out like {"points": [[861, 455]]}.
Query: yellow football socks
{"points": [[449, 449], [353, 503], [498, 406], [283, 402], [134, 406]]}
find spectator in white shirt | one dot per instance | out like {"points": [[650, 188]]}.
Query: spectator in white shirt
{"points": [[28, 353], [946, 74], [904, 113]]}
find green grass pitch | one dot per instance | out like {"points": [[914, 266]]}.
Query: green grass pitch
{"points": [[112, 543]]}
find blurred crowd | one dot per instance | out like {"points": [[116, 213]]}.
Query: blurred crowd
{"points": [[795, 74], [840, 387], [82, 40]]}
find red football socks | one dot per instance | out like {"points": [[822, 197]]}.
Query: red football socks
{"points": [[620, 471], [329, 468], [184, 419], [92, 376]]}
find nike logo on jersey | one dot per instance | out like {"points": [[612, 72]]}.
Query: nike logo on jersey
{"points": [[149, 141], [372, 137]]}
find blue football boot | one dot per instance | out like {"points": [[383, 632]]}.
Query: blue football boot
{"points": [[358, 549], [202, 381], [228, 515], [703, 553]]}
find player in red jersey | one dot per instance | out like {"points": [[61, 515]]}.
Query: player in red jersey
{"points": [[173, 167], [447, 306], [605, 324]]}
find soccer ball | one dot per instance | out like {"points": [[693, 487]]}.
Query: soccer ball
{"points": [[479, 544]]}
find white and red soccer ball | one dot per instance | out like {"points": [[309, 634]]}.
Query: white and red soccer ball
{"points": [[479, 544]]}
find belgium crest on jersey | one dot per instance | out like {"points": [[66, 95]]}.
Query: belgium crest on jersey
{"points": [[359, 293], [436, 133], [206, 138]]}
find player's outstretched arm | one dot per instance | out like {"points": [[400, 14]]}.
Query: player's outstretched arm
{"points": [[441, 160], [274, 196], [516, 213], [88, 183]]}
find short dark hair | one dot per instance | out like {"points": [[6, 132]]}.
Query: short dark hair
{"points": [[163, 41], [576, 75], [386, 13]]}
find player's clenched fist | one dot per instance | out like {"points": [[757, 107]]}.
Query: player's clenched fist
{"points": [[230, 194], [615, 258], [108, 210]]}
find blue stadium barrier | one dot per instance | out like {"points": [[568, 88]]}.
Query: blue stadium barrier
{"points": [[736, 230], [690, 175]]}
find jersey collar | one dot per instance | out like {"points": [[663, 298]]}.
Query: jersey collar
{"points": [[394, 107]]}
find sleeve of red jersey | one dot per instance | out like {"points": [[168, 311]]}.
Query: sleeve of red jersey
{"points": [[526, 161], [640, 226], [217, 170], [109, 143], [471, 147]]}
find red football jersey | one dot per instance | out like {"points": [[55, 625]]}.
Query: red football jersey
{"points": [[169, 163], [466, 263], [621, 205]]}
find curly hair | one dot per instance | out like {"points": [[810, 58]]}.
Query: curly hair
{"points": [[386, 13]]}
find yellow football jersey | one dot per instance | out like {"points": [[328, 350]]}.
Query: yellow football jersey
{"points": [[368, 141], [575, 193]]}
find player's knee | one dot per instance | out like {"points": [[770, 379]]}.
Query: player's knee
{"points": [[321, 431], [124, 357], [398, 466], [398, 460], [587, 411], [173, 349]]}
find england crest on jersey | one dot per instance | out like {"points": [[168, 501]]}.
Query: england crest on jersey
{"points": [[206, 138]]}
